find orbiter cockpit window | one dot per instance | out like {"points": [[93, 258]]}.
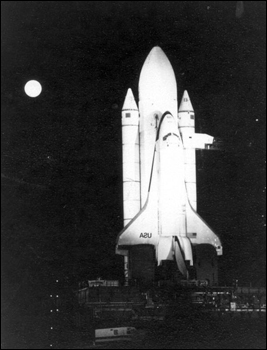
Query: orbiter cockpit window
{"points": [[169, 134], [166, 136]]}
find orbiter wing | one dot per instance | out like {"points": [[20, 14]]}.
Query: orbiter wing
{"points": [[199, 232]]}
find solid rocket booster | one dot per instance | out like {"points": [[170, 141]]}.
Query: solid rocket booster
{"points": [[130, 158], [159, 170], [186, 123]]}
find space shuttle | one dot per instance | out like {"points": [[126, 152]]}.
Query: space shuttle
{"points": [[159, 145]]}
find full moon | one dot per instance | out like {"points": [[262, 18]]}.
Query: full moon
{"points": [[33, 88]]}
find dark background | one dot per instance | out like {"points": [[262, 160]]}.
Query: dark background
{"points": [[61, 152]]}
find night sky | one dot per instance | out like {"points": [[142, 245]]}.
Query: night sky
{"points": [[61, 151]]}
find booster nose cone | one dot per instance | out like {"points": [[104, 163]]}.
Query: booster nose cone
{"points": [[186, 105], [129, 102], [157, 79]]}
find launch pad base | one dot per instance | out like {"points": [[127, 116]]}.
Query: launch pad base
{"points": [[158, 303]]}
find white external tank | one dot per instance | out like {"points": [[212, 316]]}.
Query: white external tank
{"points": [[157, 94]]}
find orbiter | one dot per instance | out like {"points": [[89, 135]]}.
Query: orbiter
{"points": [[159, 175]]}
